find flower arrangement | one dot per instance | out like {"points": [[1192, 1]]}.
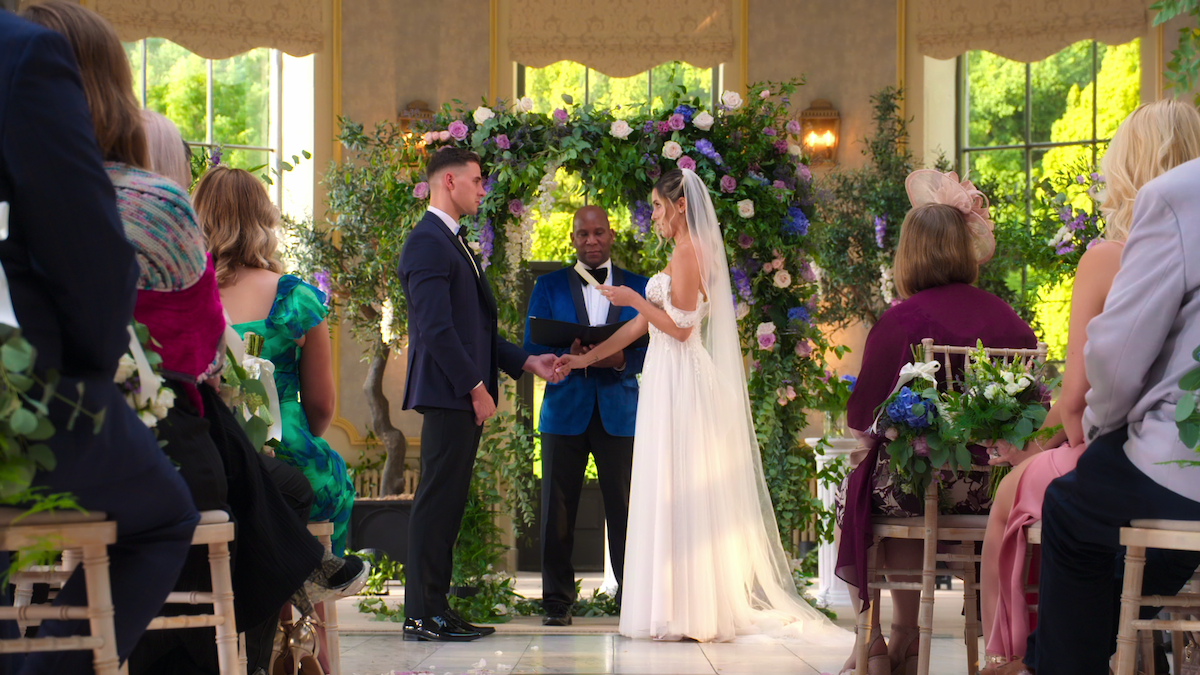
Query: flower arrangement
{"points": [[1067, 200], [910, 420], [998, 400], [139, 380], [244, 389]]}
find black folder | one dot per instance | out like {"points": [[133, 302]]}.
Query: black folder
{"points": [[562, 334]]}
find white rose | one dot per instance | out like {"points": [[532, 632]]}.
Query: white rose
{"points": [[765, 328], [1008, 377], [620, 129], [892, 433], [148, 419], [1024, 383], [483, 114], [1012, 389], [165, 397], [672, 150], [126, 367], [732, 100], [993, 390], [475, 246], [795, 150], [703, 121], [783, 279], [525, 104], [746, 208], [742, 310]]}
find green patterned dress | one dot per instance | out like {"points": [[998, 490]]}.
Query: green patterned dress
{"points": [[297, 308]]}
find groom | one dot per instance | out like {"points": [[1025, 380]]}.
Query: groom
{"points": [[454, 350], [591, 412]]}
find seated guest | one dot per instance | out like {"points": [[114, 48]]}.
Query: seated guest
{"points": [[1137, 350], [941, 248], [239, 221], [168, 154], [1154, 139], [179, 303], [71, 281]]}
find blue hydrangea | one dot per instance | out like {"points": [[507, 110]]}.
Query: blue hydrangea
{"points": [[741, 282], [687, 111], [851, 380], [640, 215], [705, 147], [901, 409], [799, 314], [797, 222]]}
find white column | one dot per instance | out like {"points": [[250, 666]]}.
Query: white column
{"points": [[830, 589]]}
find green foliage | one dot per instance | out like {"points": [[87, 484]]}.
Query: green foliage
{"points": [[1185, 59], [247, 395], [383, 570], [1187, 410]]}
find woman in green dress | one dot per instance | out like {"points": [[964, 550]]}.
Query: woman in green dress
{"points": [[239, 224]]}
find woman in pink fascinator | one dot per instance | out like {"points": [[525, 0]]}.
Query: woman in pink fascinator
{"points": [[945, 237]]}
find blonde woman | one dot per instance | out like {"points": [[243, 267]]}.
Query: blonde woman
{"points": [[168, 153], [1154, 139], [239, 223]]}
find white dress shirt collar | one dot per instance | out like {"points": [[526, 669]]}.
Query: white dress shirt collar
{"points": [[450, 222], [607, 265]]}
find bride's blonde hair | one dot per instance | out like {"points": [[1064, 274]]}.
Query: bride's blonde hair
{"points": [[1155, 138], [239, 222]]}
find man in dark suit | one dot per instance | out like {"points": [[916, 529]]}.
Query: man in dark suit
{"points": [[590, 412], [454, 352], [71, 276]]}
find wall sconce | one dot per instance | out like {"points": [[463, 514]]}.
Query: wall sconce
{"points": [[820, 126], [415, 114]]}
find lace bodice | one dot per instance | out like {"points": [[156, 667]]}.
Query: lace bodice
{"points": [[658, 292]]}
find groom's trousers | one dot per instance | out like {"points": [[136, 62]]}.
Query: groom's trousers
{"points": [[564, 462], [449, 440]]}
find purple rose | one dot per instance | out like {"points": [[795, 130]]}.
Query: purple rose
{"points": [[920, 446], [781, 146], [663, 127], [686, 162], [560, 116], [654, 172], [803, 172], [793, 128], [675, 122], [515, 207], [728, 184], [421, 190], [769, 131], [458, 130], [502, 142], [745, 240], [766, 341], [779, 185]]}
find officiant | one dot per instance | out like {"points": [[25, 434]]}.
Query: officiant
{"points": [[590, 412]]}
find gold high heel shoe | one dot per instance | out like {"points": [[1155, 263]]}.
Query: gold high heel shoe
{"points": [[305, 647]]}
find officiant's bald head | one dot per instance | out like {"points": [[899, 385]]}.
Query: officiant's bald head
{"points": [[592, 236]]}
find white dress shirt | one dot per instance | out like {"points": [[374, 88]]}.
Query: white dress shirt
{"points": [[597, 305]]}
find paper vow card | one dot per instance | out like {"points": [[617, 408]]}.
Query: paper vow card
{"points": [[587, 276]]}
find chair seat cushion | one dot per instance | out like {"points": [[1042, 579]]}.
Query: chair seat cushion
{"points": [[9, 515], [1155, 524]]}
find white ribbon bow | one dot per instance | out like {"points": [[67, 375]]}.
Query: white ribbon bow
{"points": [[262, 370], [908, 373], [7, 315]]}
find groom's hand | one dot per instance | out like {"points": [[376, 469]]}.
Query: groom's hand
{"points": [[484, 406], [543, 367]]}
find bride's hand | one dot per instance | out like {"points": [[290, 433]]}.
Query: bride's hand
{"points": [[568, 362], [621, 296]]}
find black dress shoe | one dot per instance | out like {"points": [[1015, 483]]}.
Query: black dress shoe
{"points": [[462, 623], [438, 629], [557, 620]]}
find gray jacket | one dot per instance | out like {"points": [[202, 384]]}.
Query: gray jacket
{"points": [[1142, 343]]}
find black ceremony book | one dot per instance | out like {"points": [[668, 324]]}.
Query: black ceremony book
{"points": [[562, 334]]}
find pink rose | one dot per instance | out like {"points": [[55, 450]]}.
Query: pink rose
{"points": [[421, 190], [502, 142], [803, 172], [686, 162], [560, 116], [675, 122], [793, 128], [728, 184], [920, 446], [430, 137], [458, 130], [764, 94], [804, 348], [515, 207], [766, 341], [745, 241], [443, 136], [779, 185], [769, 131]]}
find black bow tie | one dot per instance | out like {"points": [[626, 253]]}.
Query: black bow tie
{"points": [[600, 274]]}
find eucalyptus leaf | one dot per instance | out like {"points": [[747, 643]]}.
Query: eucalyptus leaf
{"points": [[17, 356], [23, 422], [42, 455], [1185, 407], [43, 432], [1189, 433]]}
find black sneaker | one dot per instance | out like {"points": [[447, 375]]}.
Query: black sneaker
{"points": [[351, 578]]}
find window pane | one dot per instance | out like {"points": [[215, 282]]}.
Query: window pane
{"points": [[254, 160], [667, 78], [1063, 90], [133, 52], [547, 85], [241, 87], [176, 86], [626, 96], [1120, 82], [997, 98], [1001, 168]]}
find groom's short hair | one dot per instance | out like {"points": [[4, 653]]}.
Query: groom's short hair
{"points": [[450, 157]]}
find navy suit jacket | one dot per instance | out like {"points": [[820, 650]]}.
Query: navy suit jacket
{"points": [[567, 406], [72, 274], [454, 341]]}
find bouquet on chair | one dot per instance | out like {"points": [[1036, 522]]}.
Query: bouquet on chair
{"points": [[998, 399], [910, 420], [139, 380], [248, 388]]}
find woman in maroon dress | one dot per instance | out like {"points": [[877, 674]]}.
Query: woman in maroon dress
{"points": [[943, 240]]}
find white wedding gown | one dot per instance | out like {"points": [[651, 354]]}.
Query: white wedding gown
{"points": [[700, 562]]}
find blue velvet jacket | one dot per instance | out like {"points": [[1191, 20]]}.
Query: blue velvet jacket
{"points": [[567, 406]]}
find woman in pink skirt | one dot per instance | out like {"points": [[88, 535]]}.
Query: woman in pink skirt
{"points": [[1154, 139]]}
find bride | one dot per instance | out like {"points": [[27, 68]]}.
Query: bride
{"points": [[703, 559]]}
